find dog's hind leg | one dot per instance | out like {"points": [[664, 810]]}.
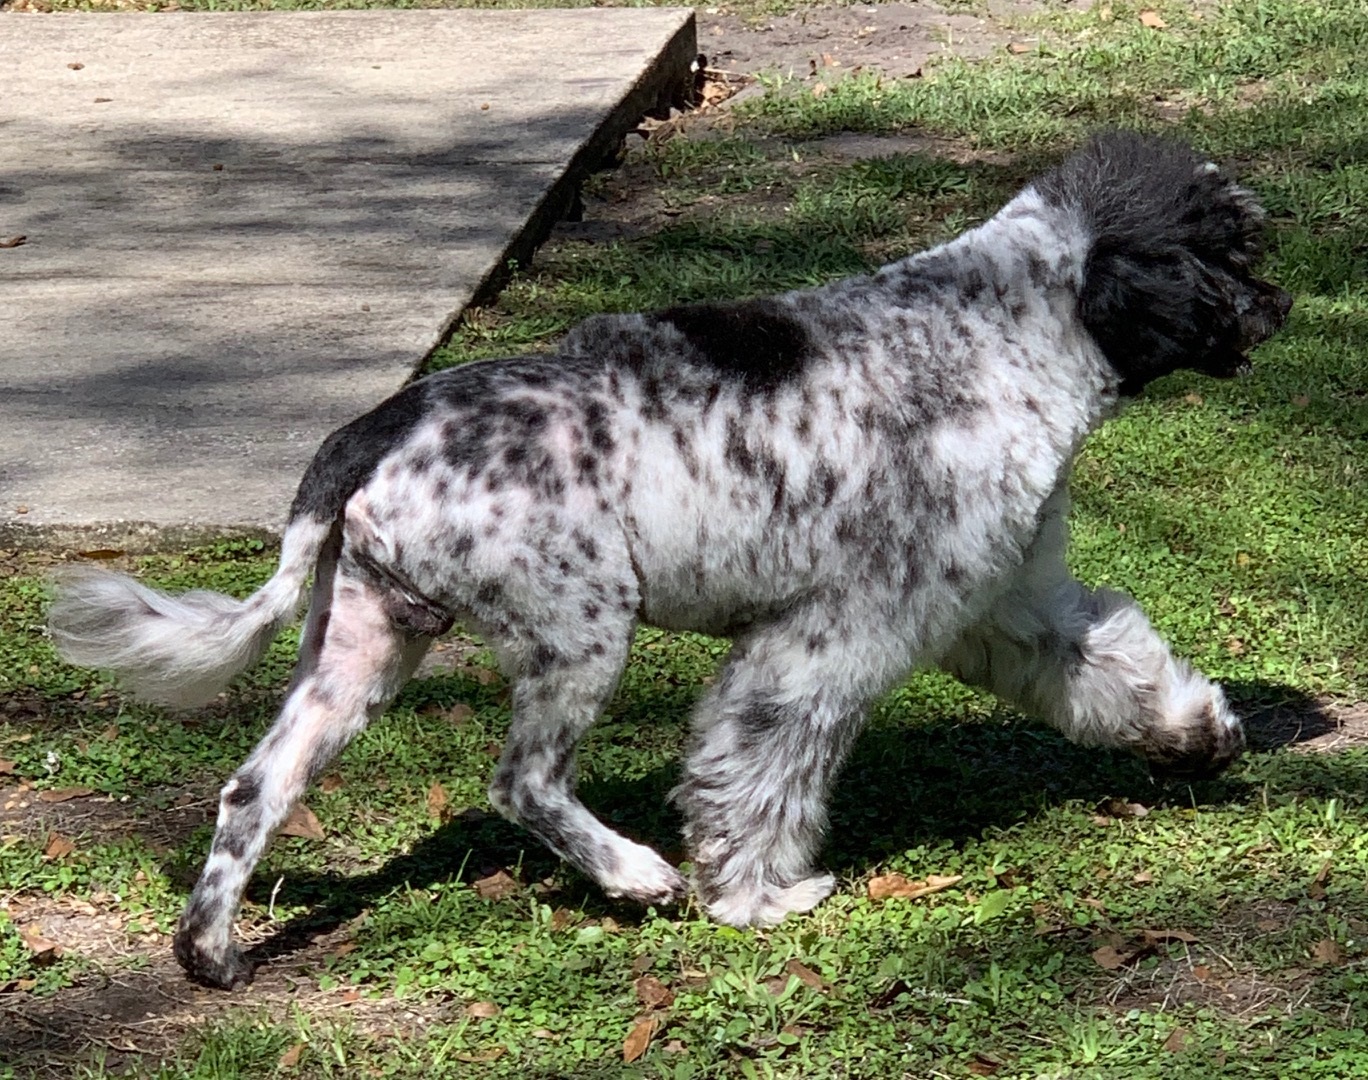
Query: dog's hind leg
{"points": [[1089, 663], [769, 738], [565, 679], [353, 660]]}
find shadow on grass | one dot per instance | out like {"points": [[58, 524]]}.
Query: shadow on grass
{"points": [[903, 786]]}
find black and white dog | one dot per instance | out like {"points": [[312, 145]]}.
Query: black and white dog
{"points": [[848, 481]]}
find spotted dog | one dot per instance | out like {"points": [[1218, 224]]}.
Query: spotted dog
{"points": [[848, 481]]}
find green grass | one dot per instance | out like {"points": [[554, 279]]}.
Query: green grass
{"points": [[1234, 511]]}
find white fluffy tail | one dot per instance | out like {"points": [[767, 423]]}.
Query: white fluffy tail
{"points": [[180, 650]]}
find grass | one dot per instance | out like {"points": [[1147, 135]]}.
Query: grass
{"points": [[1234, 511]]}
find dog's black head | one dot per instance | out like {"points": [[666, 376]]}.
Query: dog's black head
{"points": [[1169, 280]]}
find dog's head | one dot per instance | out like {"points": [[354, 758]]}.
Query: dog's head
{"points": [[1169, 281]]}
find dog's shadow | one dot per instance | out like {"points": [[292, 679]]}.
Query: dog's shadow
{"points": [[903, 787]]}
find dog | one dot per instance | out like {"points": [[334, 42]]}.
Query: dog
{"points": [[848, 481]]}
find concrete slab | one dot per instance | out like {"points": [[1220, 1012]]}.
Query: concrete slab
{"points": [[245, 229]]}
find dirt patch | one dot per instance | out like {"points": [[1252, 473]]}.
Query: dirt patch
{"points": [[150, 1012], [1309, 725], [896, 38], [162, 819]]}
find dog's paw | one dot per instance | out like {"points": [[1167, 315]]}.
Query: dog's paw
{"points": [[645, 877], [221, 970], [769, 905]]}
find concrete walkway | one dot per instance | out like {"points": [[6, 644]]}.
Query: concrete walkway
{"points": [[245, 229]]}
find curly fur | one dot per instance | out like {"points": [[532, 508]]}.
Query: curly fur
{"points": [[849, 481]]}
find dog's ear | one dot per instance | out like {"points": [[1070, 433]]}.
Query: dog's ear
{"points": [[1172, 242]]}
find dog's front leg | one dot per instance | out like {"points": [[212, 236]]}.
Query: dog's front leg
{"points": [[1090, 664], [561, 689], [769, 738]]}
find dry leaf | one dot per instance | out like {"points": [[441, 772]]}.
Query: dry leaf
{"points": [[1201, 973], [1193, 398], [290, 1058], [497, 886], [890, 886], [1327, 951], [1155, 937], [640, 965], [6, 767], [44, 951], [459, 713], [638, 1039], [1268, 925], [330, 783], [805, 974], [436, 800], [102, 554], [1143, 878], [13, 242], [1316, 891], [1152, 20], [653, 993], [491, 1054], [1111, 958], [818, 89], [1018, 47], [984, 1065], [1176, 1041], [1120, 808], [53, 795], [302, 822], [58, 846], [482, 1010], [830, 61], [342, 950]]}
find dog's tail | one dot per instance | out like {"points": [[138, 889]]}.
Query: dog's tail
{"points": [[179, 650], [182, 650]]}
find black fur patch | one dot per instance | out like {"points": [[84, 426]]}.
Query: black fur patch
{"points": [[1168, 274], [348, 456], [756, 341]]}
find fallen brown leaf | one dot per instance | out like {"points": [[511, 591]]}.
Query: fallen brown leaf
{"points": [[1176, 1041], [58, 846], [497, 886], [102, 554], [638, 1039], [653, 993], [805, 974], [436, 800], [1018, 47], [984, 1065], [44, 950], [1327, 951], [56, 795], [1111, 958], [491, 1054], [290, 1058], [14, 242], [1155, 937], [1316, 890], [897, 886], [6, 767], [818, 89], [330, 783], [1152, 20], [303, 822], [459, 713], [482, 1010]]}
